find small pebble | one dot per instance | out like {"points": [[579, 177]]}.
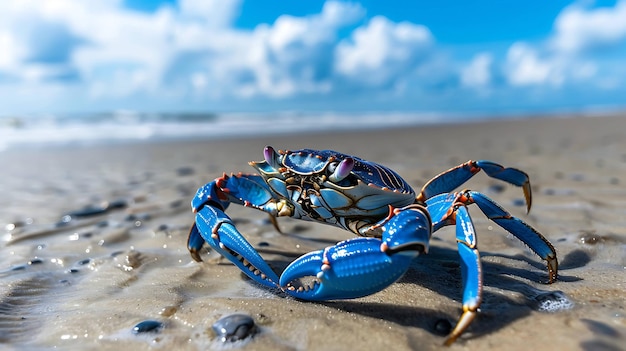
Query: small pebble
{"points": [[102, 224], [264, 244], [35, 261], [590, 238], [577, 177], [185, 171], [519, 202], [117, 204], [553, 301], [443, 327], [176, 203], [147, 327], [496, 188], [234, 327], [14, 225], [84, 262], [87, 212], [168, 311]]}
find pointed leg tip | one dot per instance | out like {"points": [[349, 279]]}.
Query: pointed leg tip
{"points": [[195, 255], [466, 319], [275, 224], [528, 196], [450, 340], [552, 270]]}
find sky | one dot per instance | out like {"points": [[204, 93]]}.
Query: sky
{"points": [[478, 57]]}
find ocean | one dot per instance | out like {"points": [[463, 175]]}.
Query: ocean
{"points": [[126, 126]]}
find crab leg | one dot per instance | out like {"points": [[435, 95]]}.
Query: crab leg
{"points": [[470, 270], [448, 209], [441, 206], [217, 229], [451, 179], [527, 234]]}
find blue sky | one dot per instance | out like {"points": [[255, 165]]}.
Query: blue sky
{"points": [[69, 56]]}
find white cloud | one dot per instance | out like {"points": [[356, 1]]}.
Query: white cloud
{"points": [[478, 72], [174, 51], [578, 29], [525, 67], [100, 51], [568, 56], [380, 52], [295, 54], [212, 13]]}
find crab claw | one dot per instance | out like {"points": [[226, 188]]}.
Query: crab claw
{"points": [[219, 232], [361, 266], [350, 269]]}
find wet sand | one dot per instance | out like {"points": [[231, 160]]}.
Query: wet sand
{"points": [[84, 281]]}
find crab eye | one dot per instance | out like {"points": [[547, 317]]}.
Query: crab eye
{"points": [[340, 170], [332, 166]]}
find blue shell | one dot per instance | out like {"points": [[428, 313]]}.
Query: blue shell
{"points": [[308, 161]]}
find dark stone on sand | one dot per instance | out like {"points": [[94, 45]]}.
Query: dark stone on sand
{"points": [[443, 327], [519, 202], [496, 188], [148, 326], [102, 224], [264, 244], [234, 327], [185, 171], [577, 177], [84, 262], [117, 204], [176, 203], [552, 301], [87, 212], [35, 261]]}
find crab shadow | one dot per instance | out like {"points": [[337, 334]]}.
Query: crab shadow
{"points": [[440, 272]]}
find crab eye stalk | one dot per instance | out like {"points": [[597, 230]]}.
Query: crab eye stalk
{"points": [[342, 170], [271, 157]]}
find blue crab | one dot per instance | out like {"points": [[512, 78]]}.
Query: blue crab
{"points": [[393, 223]]}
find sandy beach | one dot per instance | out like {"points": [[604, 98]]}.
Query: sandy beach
{"points": [[94, 242]]}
